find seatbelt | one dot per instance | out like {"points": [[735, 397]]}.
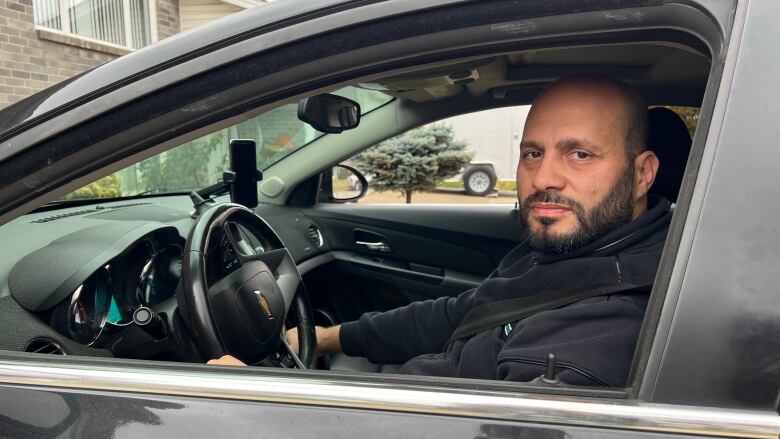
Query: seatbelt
{"points": [[493, 314]]}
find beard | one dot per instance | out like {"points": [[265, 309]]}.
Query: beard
{"points": [[613, 211]]}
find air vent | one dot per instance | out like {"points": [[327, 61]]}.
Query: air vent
{"points": [[315, 236], [84, 212], [62, 215], [43, 345]]}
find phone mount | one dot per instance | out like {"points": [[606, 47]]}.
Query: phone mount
{"points": [[240, 181]]}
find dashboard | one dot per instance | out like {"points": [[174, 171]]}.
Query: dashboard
{"points": [[77, 276]]}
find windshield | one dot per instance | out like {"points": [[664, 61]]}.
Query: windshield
{"points": [[201, 162]]}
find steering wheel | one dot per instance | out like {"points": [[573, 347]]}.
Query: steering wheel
{"points": [[238, 284]]}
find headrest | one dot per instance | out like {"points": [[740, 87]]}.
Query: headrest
{"points": [[670, 141]]}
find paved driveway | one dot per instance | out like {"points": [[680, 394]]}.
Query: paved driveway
{"points": [[437, 197]]}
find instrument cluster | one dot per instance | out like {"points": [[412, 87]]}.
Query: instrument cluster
{"points": [[146, 275]]}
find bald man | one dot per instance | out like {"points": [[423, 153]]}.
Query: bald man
{"points": [[582, 181]]}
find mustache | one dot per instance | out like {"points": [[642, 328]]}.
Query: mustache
{"points": [[552, 198]]}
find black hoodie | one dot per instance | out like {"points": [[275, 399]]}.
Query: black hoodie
{"points": [[593, 340]]}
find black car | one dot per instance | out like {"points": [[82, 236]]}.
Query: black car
{"points": [[125, 229]]}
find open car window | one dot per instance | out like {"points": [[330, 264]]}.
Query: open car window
{"points": [[278, 133]]}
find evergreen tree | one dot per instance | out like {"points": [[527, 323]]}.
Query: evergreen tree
{"points": [[414, 161]]}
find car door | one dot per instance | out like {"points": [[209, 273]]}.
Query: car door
{"points": [[89, 397], [390, 255]]}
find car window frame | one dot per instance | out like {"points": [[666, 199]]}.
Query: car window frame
{"points": [[224, 114]]}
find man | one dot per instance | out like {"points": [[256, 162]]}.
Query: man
{"points": [[583, 181]]}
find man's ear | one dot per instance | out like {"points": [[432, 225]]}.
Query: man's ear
{"points": [[645, 168]]}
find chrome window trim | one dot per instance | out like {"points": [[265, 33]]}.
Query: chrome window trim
{"points": [[333, 392]]}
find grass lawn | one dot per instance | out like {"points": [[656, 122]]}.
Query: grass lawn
{"points": [[503, 185]]}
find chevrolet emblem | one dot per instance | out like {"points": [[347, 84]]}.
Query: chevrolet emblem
{"points": [[264, 304]]}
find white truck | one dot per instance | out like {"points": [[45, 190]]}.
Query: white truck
{"points": [[494, 137]]}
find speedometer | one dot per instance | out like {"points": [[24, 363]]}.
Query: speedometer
{"points": [[159, 276], [89, 307], [145, 275]]}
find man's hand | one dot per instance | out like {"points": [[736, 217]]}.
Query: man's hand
{"points": [[327, 343], [226, 360], [327, 339]]}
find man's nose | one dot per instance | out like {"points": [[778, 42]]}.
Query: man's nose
{"points": [[548, 175]]}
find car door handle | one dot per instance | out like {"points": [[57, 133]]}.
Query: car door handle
{"points": [[378, 246]]}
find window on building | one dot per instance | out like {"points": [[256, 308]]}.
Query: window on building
{"points": [[124, 23]]}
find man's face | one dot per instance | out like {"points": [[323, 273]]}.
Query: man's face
{"points": [[574, 179]]}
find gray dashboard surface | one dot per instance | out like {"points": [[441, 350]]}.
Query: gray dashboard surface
{"points": [[53, 252], [29, 233], [70, 260]]}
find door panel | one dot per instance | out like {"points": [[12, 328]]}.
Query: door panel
{"points": [[63, 413], [389, 255]]}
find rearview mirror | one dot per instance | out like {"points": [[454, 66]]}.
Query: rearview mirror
{"points": [[329, 113]]}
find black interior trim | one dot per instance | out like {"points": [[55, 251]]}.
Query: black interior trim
{"points": [[447, 278], [674, 237], [305, 194], [486, 248]]}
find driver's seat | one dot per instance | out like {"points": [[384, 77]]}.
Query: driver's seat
{"points": [[670, 141]]}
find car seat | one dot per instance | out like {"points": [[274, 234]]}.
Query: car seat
{"points": [[670, 141]]}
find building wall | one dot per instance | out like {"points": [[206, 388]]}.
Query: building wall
{"points": [[197, 12], [168, 18], [31, 60]]}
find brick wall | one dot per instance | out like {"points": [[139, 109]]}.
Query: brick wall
{"points": [[168, 18], [31, 60]]}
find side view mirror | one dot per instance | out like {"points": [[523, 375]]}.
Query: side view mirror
{"points": [[329, 113], [343, 184]]}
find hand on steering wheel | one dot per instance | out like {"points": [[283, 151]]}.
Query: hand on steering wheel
{"points": [[241, 309]]}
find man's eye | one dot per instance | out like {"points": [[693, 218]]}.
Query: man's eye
{"points": [[581, 155], [532, 154]]}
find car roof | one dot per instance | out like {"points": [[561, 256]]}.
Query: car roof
{"points": [[652, 68]]}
